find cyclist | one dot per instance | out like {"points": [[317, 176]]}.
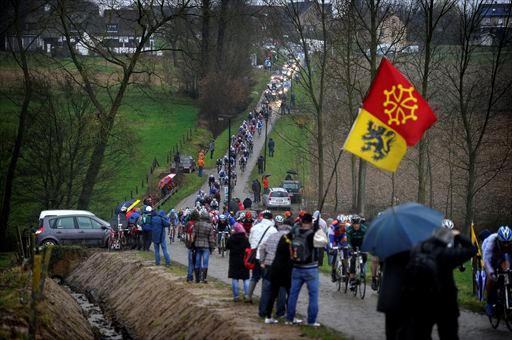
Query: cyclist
{"points": [[174, 221], [247, 222], [497, 254], [222, 226], [355, 236], [337, 238], [259, 126]]}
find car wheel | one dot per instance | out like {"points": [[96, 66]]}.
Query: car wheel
{"points": [[47, 243]]}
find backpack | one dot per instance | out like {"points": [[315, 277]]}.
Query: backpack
{"points": [[189, 233], [300, 251], [421, 280], [146, 222]]}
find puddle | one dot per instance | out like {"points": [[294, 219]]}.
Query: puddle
{"points": [[95, 316]]}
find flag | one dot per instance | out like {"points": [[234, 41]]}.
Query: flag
{"points": [[474, 240], [396, 102], [393, 116], [375, 142]]}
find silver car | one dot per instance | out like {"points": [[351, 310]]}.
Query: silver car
{"points": [[80, 229], [277, 198]]}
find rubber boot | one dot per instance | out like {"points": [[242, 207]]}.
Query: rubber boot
{"points": [[252, 286], [197, 273], [204, 273]]}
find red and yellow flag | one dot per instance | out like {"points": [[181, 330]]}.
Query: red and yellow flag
{"points": [[394, 116]]}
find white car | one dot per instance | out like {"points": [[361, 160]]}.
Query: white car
{"points": [[277, 198]]}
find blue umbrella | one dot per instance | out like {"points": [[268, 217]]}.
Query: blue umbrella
{"points": [[400, 228]]}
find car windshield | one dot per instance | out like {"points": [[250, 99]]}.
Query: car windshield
{"points": [[278, 194], [293, 186]]}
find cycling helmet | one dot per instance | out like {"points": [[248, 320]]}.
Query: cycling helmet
{"points": [[448, 224], [279, 219], [504, 234], [148, 208], [341, 218], [248, 214], [355, 219], [267, 214], [123, 208], [222, 217]]}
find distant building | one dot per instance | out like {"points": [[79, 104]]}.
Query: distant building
{"points": [[496, 20], [392, 32], [115, 29]]}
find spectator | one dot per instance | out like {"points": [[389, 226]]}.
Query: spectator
{"points": [[158, 224], [265, 185], [271, 146], [267, 254], [261, 163], [450, 250], [256, 189], [177, 160], [200, 165], [237, 244], [204, 243], [259, 234], [146, 227], [247, 203], [390, 299], [211, 147], [305, 270], [201, 154], [189, 243]]}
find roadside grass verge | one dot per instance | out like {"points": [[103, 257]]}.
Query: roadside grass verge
{"points": [[322, 332], [289, 141]]}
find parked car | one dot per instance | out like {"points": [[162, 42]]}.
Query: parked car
{"points": [[187, 164], [294, 190], [67, 227], [277, 198]]}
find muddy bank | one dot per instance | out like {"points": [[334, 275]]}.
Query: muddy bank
{"points": [[60, 317], [156, 303]]}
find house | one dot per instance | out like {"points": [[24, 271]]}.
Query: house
{"points": [[392, 32], [115, 29], [495, 21]]}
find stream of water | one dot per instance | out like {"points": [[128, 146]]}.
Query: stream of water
{"points": [[95, 316]]}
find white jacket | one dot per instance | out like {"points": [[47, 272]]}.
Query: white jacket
{"points": [[257, 232]]}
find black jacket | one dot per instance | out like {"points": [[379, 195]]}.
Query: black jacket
{"points": [[281, 269], [389, 300], [448, 260], [237, 244]]}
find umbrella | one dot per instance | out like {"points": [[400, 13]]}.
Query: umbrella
{"points": [[164, 181], [400, 228], [480, 280]]}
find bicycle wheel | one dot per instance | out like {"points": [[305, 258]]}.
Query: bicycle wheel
{"points": [[362, 283], [222, 246], [110, 243], [339, 274], [507, 312]]}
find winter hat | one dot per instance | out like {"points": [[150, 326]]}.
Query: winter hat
{"points": [[238, 228]]}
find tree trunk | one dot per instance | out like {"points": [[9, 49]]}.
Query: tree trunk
{"points": [[221, 32], [470, 192], [320, 157], [22, 120], [205, 37]]}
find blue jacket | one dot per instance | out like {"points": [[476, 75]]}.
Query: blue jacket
{"points": [[146, 222], [158, 225], [134, 217]]}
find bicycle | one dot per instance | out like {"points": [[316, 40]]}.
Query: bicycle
{"points": [[359, 280], [503, 306], [341, 267], [222, 242], [116, 238]]}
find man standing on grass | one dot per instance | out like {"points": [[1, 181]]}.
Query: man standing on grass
{"points": [[212, 148]]}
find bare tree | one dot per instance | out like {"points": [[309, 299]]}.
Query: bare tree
{"points": [[150, 17], [18, 47], [478, 87]]}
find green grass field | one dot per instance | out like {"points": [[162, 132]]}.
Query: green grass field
{"points": [[289, 139]]}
